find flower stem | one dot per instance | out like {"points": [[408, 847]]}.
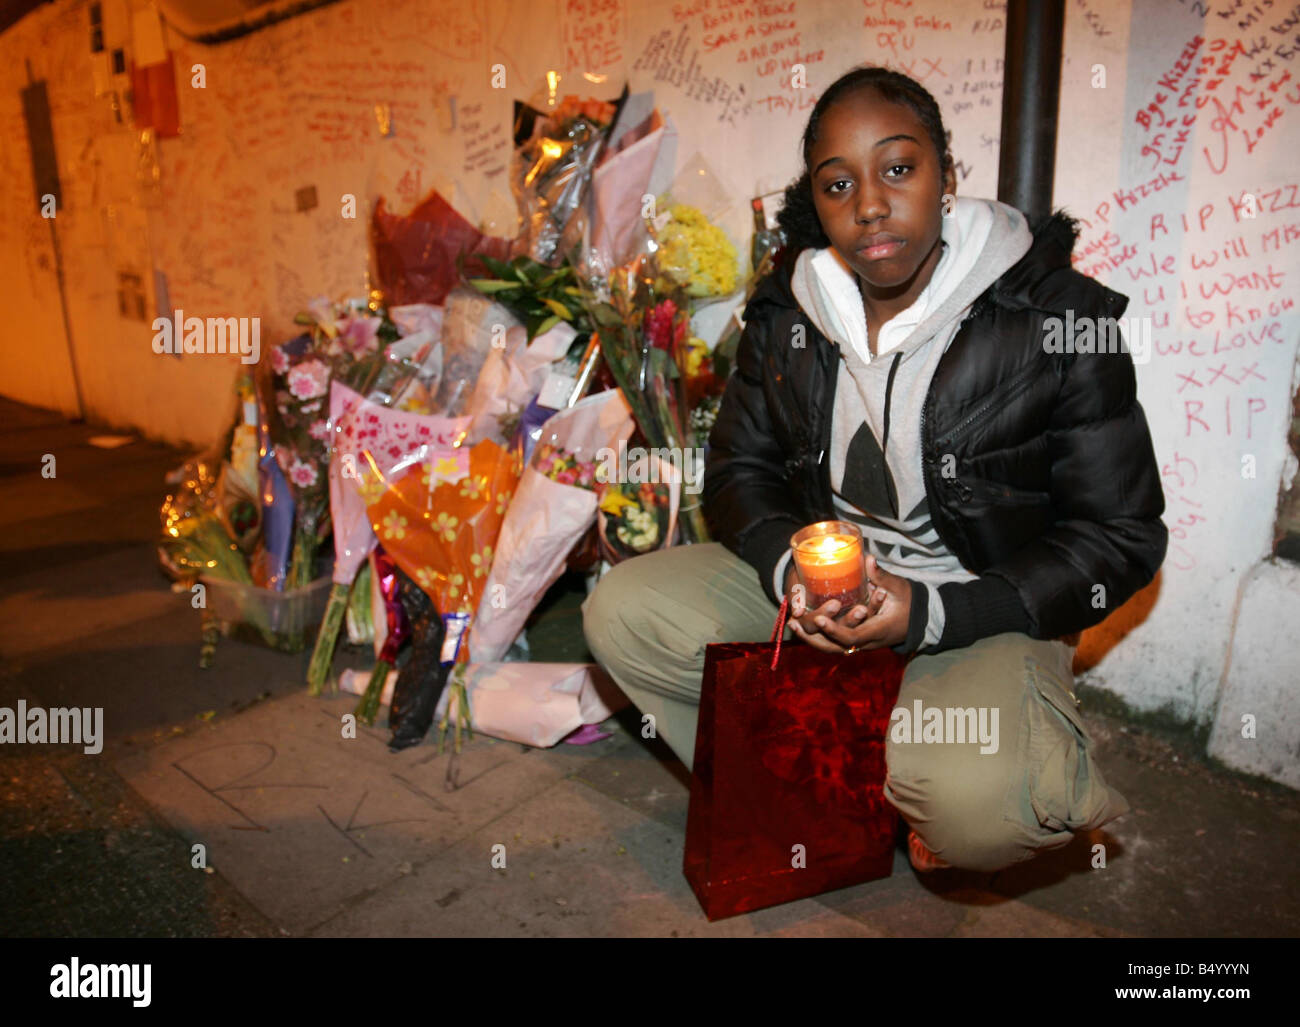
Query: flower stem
{"points": [[368, 708], [322, 656]]}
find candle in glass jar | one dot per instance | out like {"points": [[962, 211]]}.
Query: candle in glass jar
{"points": [[830, 565]]}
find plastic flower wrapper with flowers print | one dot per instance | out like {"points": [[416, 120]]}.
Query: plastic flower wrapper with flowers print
{"points": [[437, 512], [387, 436], [553, 508]]}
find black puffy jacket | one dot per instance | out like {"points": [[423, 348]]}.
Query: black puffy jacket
{"points": [[1056, 490]]}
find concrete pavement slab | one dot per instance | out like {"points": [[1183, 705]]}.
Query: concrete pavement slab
{"points": [[302, 820], [578, 864]]}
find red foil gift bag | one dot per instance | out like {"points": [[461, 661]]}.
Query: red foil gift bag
{"points": [[786, 758]]}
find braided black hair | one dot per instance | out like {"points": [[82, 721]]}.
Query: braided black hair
{"points": [[798, 217]]}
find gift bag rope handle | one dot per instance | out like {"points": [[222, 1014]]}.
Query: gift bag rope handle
{"points": [[779, 628]]}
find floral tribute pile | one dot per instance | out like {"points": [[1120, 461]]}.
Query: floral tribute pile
{"points": [[422, 472]]}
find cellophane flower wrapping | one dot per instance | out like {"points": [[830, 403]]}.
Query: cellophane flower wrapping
{"points": [[471, 323], [555, 154], [437, 513], [639, 515], [643, 338], [696, 254], [356, 426], [511, 378], [415, 255], [634, 158], [554, 506], [795, 754]]}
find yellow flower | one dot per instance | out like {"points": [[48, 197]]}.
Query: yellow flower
{"points": [[470, 488], [697, 352], [394, 526], [503, 499], [614, 501], [425, 578], [445, 526], [698, 254], [455, 581], [482, 561], [370, 487], [442, 469]]}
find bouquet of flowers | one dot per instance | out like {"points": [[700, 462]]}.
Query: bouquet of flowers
{"points": [[346, 343], [554, 157], [362, 429], [552, 509], [419, 256], [643, 336], [437, 513], [638, 516], [696, 255]]}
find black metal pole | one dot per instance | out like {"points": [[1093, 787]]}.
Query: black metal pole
{"points": [[1031, 93]]}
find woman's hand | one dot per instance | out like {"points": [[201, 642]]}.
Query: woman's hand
{"points": [[882, 622]]}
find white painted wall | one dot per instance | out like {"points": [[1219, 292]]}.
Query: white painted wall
{"points": [[293, 106]]}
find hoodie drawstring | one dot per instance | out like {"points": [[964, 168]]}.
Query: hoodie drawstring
{"points": [[884, 442]]}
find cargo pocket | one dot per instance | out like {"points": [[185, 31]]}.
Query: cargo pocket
{"points": [[1064, 786]]}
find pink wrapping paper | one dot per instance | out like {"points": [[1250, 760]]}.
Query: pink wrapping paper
{"points": [[537, 704], [512, 376], [389, 435], [361, 426], [618, 230], [545, 520], [353, 538]]}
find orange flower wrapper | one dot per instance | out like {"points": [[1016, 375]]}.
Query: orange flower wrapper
{"points": [[439, 516]]}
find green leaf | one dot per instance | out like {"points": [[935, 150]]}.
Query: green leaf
{"points": [[498, 267], [546, 325], [491, 285], [558, 308]]}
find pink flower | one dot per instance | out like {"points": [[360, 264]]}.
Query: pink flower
{"points": [[319, 430], [360, 335], [279, 360], [309, 379], [302, 474], [567, 477], [322, 310]]}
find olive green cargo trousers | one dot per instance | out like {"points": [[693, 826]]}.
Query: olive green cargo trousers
{"points": [[982, 791]]}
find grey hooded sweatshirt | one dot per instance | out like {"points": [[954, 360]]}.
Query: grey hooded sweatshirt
{"points": [[876, 478]]}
